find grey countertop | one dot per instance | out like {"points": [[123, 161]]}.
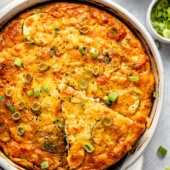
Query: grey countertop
{"points": [[162, 134]]}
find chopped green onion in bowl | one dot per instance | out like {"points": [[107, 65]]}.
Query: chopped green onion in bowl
{"points": [[160, 18]]}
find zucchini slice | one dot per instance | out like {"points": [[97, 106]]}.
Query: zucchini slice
{"points": [[36, 31]]}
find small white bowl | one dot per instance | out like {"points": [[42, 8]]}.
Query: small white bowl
{"points": [[149, 24]]}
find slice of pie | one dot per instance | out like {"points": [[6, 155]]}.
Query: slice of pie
{"points": [[97, 137]]}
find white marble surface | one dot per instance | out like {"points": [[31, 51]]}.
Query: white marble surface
{"points": [[162, 134]]}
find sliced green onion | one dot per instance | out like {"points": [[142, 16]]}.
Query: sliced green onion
{"points": [[35, 106], [21, 105], [107, 120], [43, 66], [36, 92], [167, 168], [28, 39], [11, 107], [114, 30], [16, 116], [83, 84], [94, 52], [166, 33], [9, 92], [157, 44], [83, 50], [46, 90], [107, 101], [84, 29], [162, 151], [112, 96], [27, 77], [57, 30], [88, 147], [88, 73], [96, 70], [44, 165], [2, 98], [162, 4], [134, 78], [20, 130], [18, 62], [30, 93], [154, 94]]}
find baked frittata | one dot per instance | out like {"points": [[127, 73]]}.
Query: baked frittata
{"points": [[76, 88]]}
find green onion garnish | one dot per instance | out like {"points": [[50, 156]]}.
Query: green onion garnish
{"points": [[96, 70], [83, 50], [134, 78], [44, 165], [43, 66], [21, 105], [84, 29], [88, 147], [18, 62], [161, 151], [107, 120], [28, 39], [9, 92], [46, 90], [107, 101], [11, 107], [166, 33], [83, 84], [2, 98], [88, 73], [57, 30], [154, 94], [16, 116], [30, 93], [112, 96], [35, 106], [36, 92], [27, 77], [167, 168], [20, 130], [94, 52]]}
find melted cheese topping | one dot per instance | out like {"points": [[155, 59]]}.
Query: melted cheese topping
{"points": [[54, 133]]}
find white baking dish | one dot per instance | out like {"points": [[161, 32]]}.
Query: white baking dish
{"points": [[16, 6]]}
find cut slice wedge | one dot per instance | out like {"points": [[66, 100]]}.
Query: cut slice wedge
{"points": [[85, 125]]}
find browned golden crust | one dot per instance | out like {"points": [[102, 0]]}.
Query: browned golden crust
{"points": [[32, 37]]}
